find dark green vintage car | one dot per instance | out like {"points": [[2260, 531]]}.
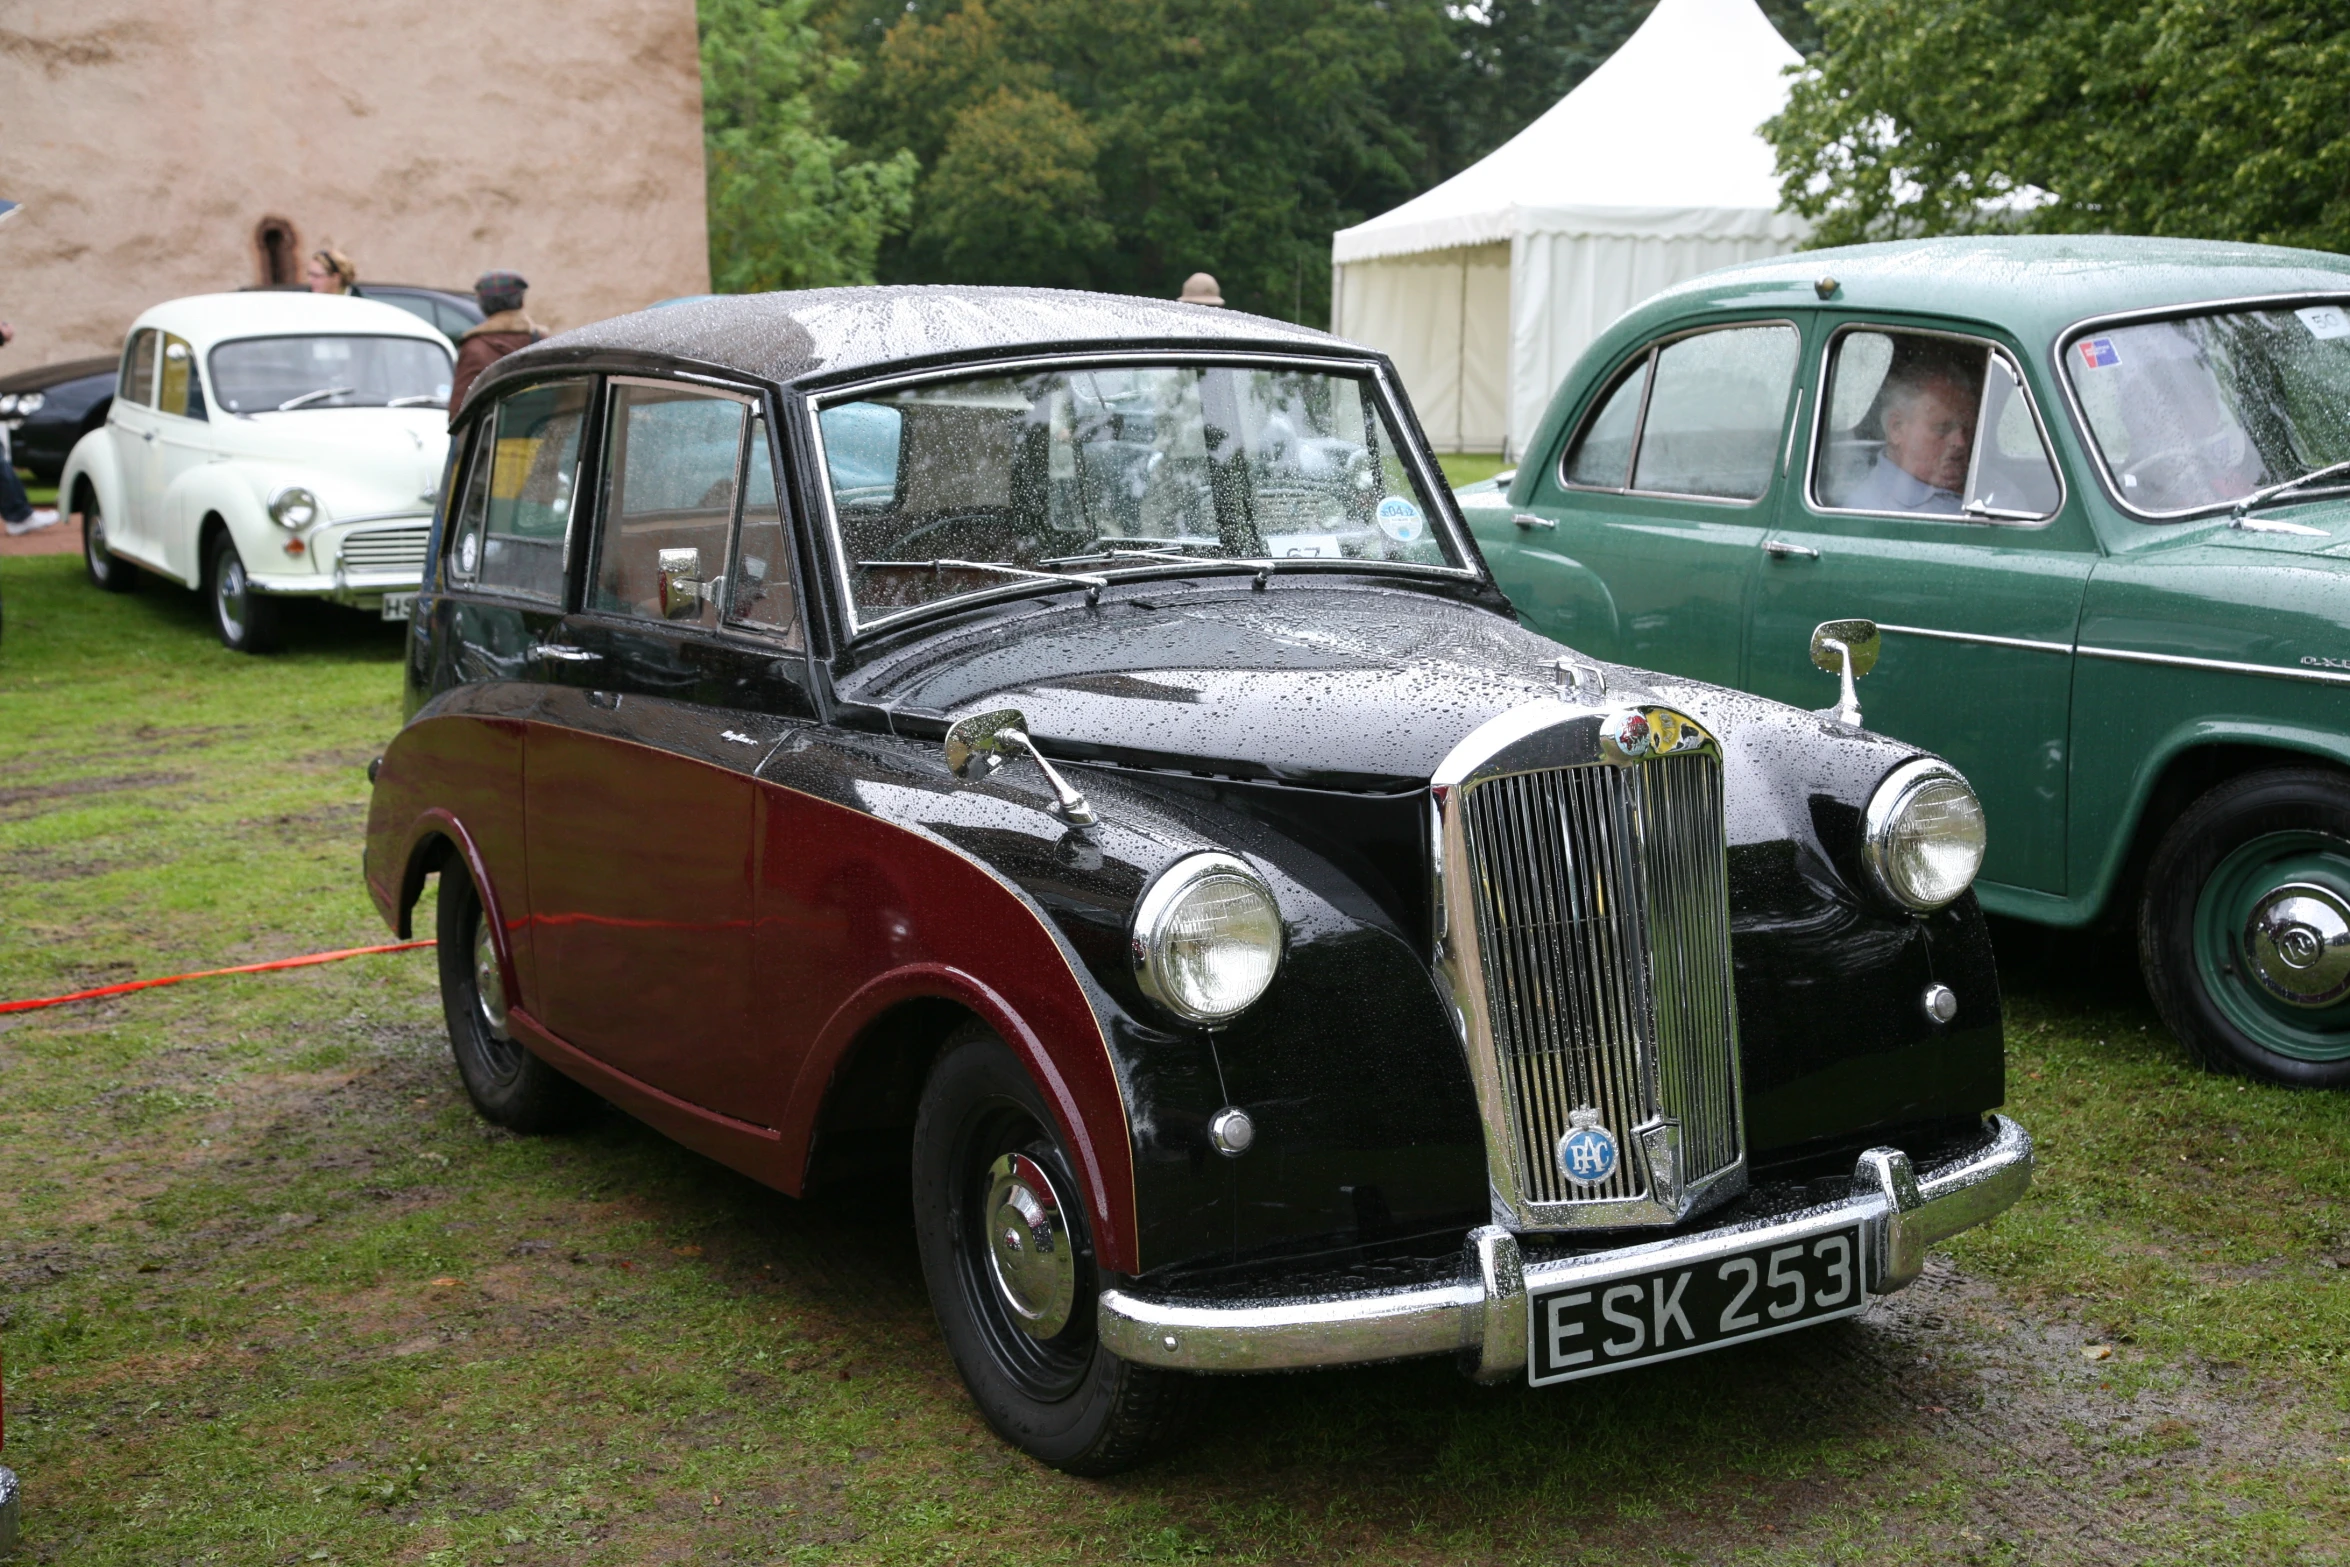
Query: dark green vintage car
{"points": [[2095, 494]]}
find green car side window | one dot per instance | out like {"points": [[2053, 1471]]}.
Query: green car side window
{"points": [[1904, 431], [1696, 415]]}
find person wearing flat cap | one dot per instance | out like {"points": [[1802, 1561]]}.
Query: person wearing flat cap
{"points": [[503, 329], [1200, 289]]}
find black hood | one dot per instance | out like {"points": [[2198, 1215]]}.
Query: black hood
{"points": [[1348, 687]]}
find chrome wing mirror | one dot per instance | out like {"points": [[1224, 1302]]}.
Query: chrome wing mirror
{"points": [[978, 745], [1846, 649], [681, 583]]}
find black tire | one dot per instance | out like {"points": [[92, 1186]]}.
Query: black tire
{"points": [[2230, 863], [506, 1083], [248, 622], [108, 571], [1064, 1400]]}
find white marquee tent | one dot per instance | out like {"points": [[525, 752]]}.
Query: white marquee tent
{"points": [[1485, 289]]}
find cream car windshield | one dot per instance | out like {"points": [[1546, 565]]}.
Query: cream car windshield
{"points": [[950, 488], [2201, 411], [329, 370]]}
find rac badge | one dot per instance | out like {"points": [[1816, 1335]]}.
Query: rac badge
{"points": [[1587, 1154]]}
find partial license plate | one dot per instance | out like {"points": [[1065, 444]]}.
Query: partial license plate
{"points": [[1604, 1324], [398, 606]]}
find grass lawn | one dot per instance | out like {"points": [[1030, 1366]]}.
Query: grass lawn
{"points": [[1468, 467], [270, 1293]]}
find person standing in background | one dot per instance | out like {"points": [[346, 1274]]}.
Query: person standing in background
{"points": [[503, 329], [332, 272], [16, 510]]}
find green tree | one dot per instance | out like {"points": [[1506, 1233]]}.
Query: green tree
{"points": [[790, 206], [2181, 117], [1013, 198]]}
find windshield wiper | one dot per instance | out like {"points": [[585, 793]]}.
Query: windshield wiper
{"points": [[1092, 584], [420, 400], [307, 398], [2262, 496]]}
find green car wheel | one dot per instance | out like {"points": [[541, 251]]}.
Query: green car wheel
{"points": [[2244, 932]]}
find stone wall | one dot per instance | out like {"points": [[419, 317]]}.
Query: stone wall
{"points": [[431, 140]]}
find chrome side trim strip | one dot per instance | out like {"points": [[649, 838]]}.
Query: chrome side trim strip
{"points": [[1483, 1316], [2225, 666], [2026, 643]]}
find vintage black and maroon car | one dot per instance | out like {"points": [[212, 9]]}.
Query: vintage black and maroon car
{"points": [[1068, 749]]}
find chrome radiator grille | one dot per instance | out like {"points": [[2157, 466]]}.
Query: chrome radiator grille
{"points": [[386, 549], [1601, 898]]}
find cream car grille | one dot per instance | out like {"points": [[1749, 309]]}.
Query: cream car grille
{"points": [[1601, 898], [386, 549]]}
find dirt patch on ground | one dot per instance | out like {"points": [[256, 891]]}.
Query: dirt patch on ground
{"points": [[74, 788]]}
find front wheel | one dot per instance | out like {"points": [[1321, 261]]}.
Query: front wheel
{"points": [[108, 571], [246, 619], [2244, 930], [1008, 1258]]}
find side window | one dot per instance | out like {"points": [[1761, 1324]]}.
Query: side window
{"points": [[1716, 413], [182, 389], [138, 368], [1925, 424], [761, 587], [1603, 458], [672, 461], [515, 520]]}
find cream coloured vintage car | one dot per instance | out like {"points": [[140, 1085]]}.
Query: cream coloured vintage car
{"points": [[264, 446]]}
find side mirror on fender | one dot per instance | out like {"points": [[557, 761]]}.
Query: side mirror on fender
{"points": [[978, 745], [1846, 649]]}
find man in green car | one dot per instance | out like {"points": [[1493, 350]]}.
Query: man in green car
{"points": [[1927, 407]]}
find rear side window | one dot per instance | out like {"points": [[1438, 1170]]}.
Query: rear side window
{"points": [[760, 588], [514, 526], [138, 368], [1698, 415]]}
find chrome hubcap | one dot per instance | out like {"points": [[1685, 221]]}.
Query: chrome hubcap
{"points": [[231, 595], [488, 984], [2298, 940], [1028, 1250]]}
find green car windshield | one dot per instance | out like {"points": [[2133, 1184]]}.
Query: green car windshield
{"points": [[2199, 411], [949, 488]]}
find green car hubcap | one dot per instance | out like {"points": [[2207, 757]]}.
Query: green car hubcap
{"points": [[2272, 943]]}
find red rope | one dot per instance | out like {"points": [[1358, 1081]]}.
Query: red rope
{"points": [[211, 973]]}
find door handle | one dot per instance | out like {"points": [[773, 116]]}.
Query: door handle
{"points": [[1528, 521], [566, 655], [1785, 550]]}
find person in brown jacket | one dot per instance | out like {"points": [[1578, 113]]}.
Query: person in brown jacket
{"points": [[504, 328]]}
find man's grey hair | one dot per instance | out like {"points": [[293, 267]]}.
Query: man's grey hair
{"points": [[1906, 383]]}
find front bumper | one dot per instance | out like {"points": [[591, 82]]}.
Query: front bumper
{"points": [[11, 1517], [1483, 1316], [364, 588]]}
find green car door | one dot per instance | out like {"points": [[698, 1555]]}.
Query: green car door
{"points": [[1930, 503], [1639, 544]]}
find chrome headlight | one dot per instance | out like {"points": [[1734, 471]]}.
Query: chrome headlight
{"points": [[7, 403], [1207, 938], [31, 402], [293, 507], [1923, 835]]}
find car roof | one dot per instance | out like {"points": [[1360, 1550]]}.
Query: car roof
{"points": [[206, 319], [57, 374], [2035, 285], [823, 334]]}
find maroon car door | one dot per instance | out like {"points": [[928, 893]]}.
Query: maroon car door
{"points": [[638, 773]]}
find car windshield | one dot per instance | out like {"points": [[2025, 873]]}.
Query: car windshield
{"points": [[2202, 410], [957, 487], [259, 374]]}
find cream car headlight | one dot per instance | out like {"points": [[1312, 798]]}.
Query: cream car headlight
{"points": [[1923, 835], [1207, 938], [293, 507]]}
